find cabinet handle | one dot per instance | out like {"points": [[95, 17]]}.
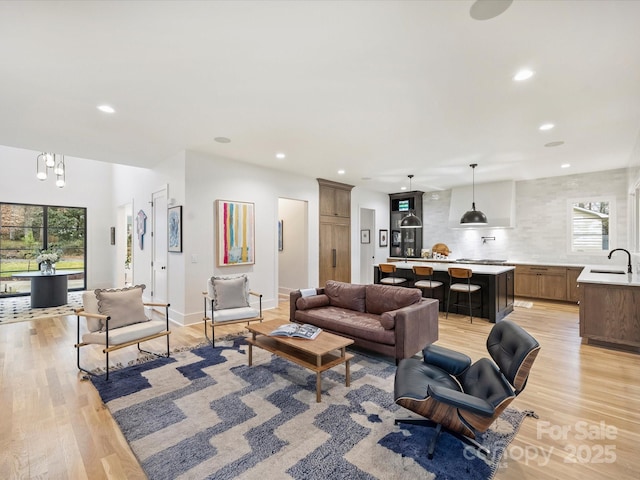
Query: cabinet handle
{"points": [[333, 253]]}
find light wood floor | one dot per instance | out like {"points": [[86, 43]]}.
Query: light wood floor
{"points": [[53, 425]]}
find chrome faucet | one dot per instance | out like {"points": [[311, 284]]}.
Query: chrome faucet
{"points": [[627, 251]]}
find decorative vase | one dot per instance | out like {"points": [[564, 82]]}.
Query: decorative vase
{"points": [[47, 268]]}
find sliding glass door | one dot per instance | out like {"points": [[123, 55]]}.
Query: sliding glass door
{"points": [[25, 230]]}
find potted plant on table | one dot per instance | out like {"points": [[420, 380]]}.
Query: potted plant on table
{"points": [[47, 259]]}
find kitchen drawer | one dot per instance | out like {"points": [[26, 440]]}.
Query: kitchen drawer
{"points": [[541, 269]]}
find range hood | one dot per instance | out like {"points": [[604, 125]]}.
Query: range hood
{"points": [[497, 200]]}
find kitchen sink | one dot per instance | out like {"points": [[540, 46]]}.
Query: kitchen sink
{"points": [[596, 270]]}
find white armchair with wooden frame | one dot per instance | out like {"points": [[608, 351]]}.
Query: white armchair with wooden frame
{"points": [[116, 319], [228, 300]]}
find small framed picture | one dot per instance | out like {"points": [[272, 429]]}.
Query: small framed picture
{"points": [[365, 236], [383, 238], [175, 229], [395, 238]]}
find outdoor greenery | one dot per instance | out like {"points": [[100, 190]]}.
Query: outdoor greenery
{"points": [[32, 233]]}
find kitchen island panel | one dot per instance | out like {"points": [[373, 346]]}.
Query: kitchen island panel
{"points": [[497, 282], [610, 307]]}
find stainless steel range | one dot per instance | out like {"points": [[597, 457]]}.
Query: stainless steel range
{"points": [[481, 261]]}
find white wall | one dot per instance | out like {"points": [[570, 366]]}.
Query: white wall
{"points": [[88, 185], [210, 178], [362, 198], [136, 185]]}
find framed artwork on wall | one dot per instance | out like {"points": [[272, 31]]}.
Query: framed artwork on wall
{"points": [[141, 227], [235, 233], [365, 236], [395, 238], [383, 238], [174, 224]]}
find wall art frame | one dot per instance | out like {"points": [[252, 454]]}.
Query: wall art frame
{"points": [[174, 229], [141, 227], [383, 238], [235, 233], [365, 236], [395, 238]]}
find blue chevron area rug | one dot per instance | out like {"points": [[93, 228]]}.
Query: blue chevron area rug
{"points": [[204, 413]]}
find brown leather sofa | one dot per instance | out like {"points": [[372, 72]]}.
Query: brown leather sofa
{"points": [[393, 321]]}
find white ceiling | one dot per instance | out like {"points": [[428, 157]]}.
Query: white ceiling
{"points": [[381, 89]]}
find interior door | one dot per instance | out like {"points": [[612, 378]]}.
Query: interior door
{"points": [[367, 250], [159, 275]]}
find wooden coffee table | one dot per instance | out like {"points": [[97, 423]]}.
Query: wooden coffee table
{"points": [[324, 352]]}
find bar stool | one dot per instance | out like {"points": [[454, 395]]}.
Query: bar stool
{"points": [[462, 287], [389, 271], [427, 283]]}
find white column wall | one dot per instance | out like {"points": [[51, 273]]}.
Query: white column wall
{"points": [[209, 178]]}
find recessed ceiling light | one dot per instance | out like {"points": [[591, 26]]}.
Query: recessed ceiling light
{"points": [[403, 188], [565, 165], [106, 109], [222, 140], [524, 74], [554, 144], [340, 172], [280, 155], [546, 126]]}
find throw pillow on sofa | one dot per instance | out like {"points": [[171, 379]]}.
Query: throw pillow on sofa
{"points": [[346, 295], [315, 301], [388, 320], [385, 298]]}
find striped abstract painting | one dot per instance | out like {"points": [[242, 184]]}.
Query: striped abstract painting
{"points": [[235, 236]]}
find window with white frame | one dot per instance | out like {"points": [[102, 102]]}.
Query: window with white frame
{"points": [[591, 224]]}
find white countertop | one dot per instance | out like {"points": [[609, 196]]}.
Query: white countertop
{"points": [[623, 278], [506, 262], [443, 267]]}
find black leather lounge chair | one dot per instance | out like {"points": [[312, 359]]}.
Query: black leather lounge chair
{"points": [[449, 392]]}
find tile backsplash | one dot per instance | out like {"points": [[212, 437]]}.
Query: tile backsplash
{"points": [[542, 216]]}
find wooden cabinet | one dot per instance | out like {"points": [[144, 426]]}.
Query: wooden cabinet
{"points": [[573, 292], [335, 231], [335, 199], [335, 258], [609, 314], [539, 281]]}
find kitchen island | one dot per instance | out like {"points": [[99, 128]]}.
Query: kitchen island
{"points": [[610, 307], [497, 282]]}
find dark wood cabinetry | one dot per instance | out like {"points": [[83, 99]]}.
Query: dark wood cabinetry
{"points": [[335, 231], [497, 289], [405, 242], [505, 293]]}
